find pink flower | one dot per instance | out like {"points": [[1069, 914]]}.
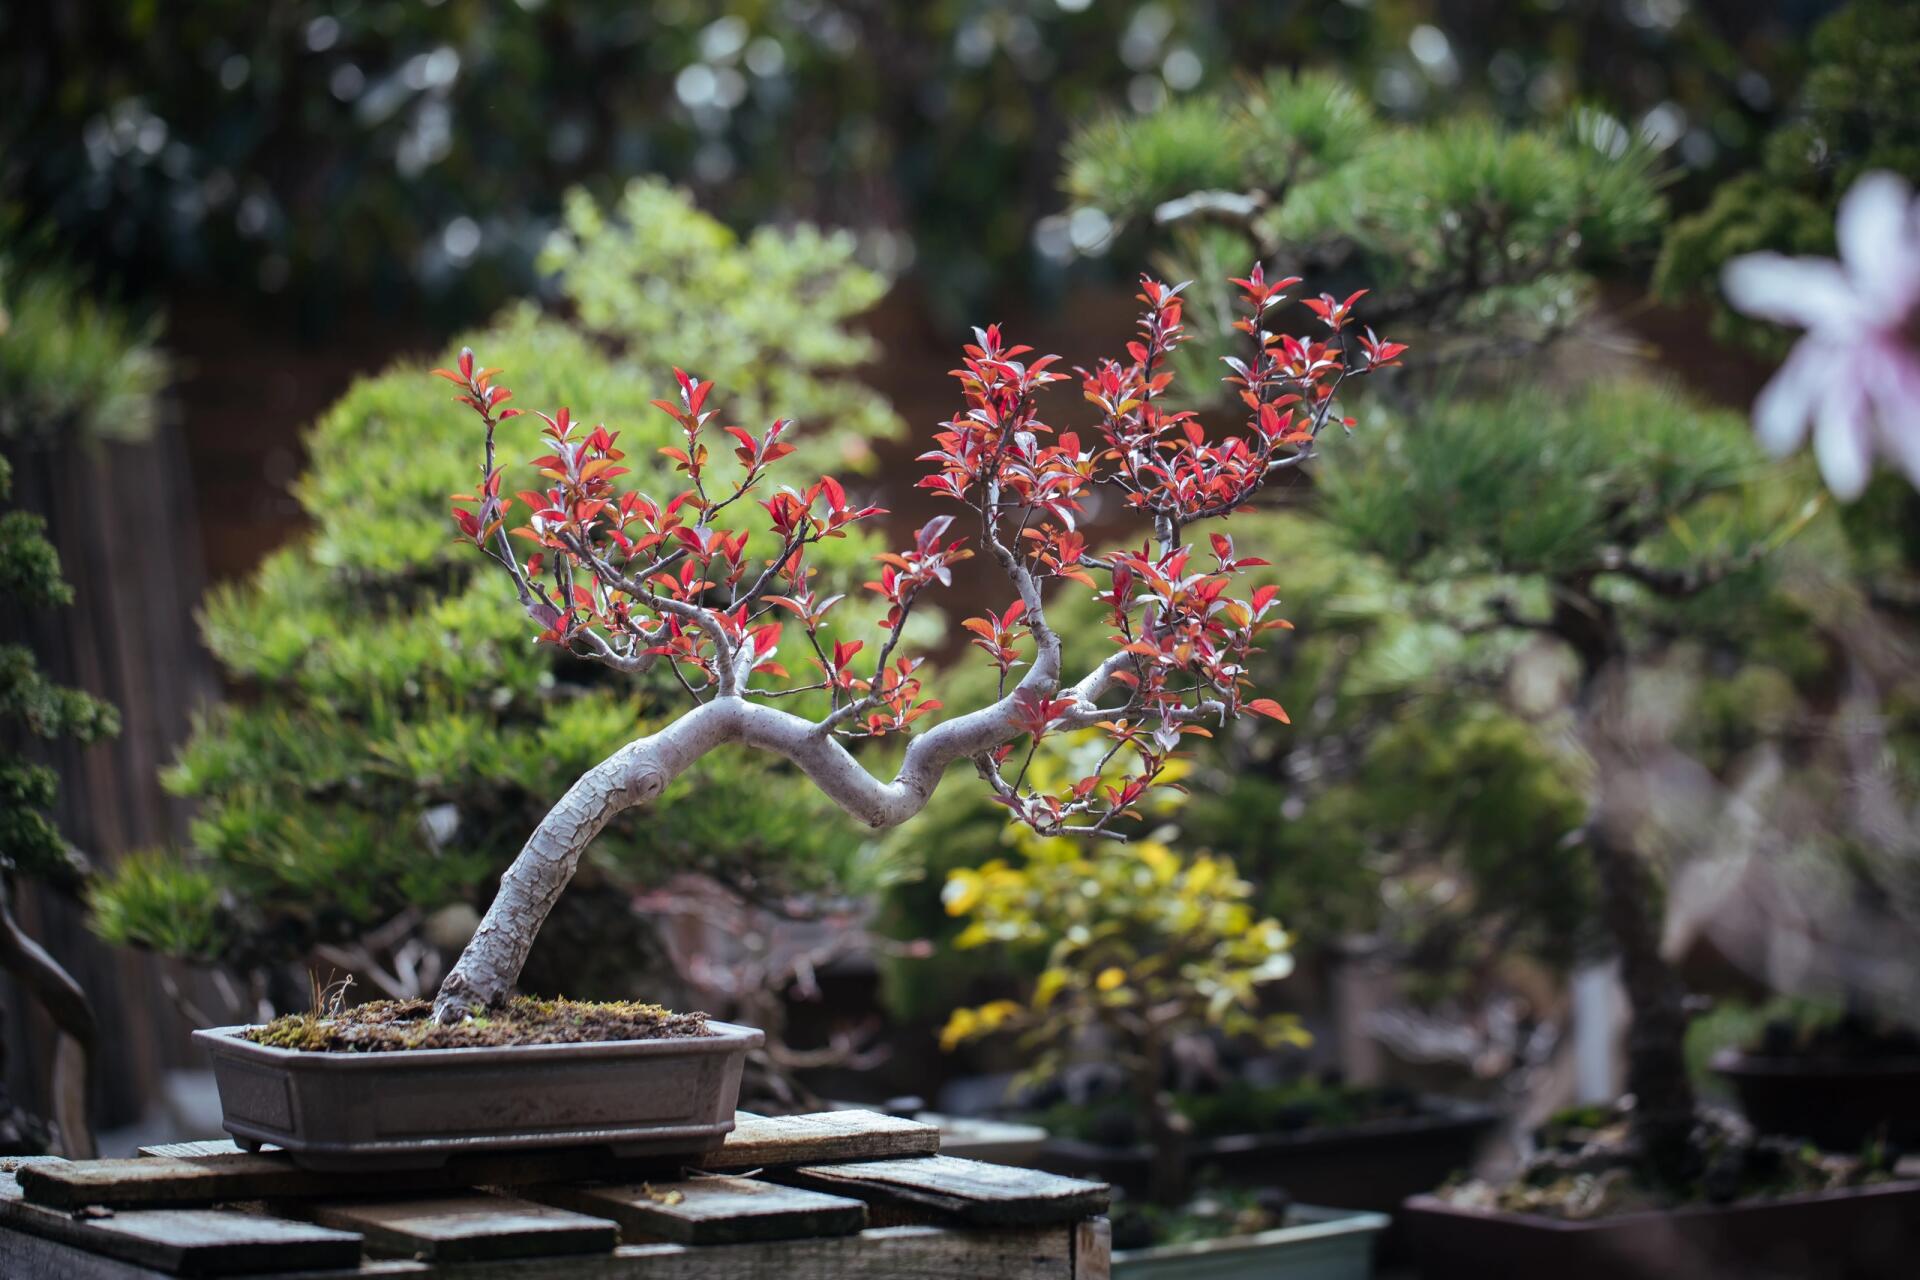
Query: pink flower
{"points": [[1856, 374]]}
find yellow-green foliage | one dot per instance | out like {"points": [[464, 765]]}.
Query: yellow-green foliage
{"points": [[402, 732], [1137, 940]]}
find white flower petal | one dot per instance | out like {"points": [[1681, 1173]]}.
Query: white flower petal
{"points": [[1786, 403], [1842, 440], [1880, 245], [1809, 292], [1893, 381]]}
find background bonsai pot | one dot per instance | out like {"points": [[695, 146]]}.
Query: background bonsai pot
{"points": [[1861, 1233], [418, 1107], [1373, 1165], [1316, 1244], [1837, 1102]]}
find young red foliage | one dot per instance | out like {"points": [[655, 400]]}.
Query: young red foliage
{"points": [[620, 577]]}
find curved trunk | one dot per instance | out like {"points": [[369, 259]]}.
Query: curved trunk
{"points": [[1663, 1101], [56, 991], [641, 770], [633, 775]]}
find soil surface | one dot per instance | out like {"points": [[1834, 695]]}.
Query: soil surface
{"points": [[382, 1026]]}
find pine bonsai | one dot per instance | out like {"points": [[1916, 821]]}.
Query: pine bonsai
{"points": [[1488, 243], [1611, 525], [633, 582], [73, 370]]}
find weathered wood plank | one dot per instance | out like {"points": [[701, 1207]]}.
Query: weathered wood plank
{"points": [[1093, 1249], [711, 1210], [887, 1253], [201, 1173], [220, 1175], [25, 1255], [195, 1150], [183, 1241], [820, 1137], [168, 1180], [965, 1190], [892, 1253], [466, 1227]]}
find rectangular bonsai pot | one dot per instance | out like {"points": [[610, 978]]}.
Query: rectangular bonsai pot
{"points": [[1373, 1165], [1861, 1233], [414, 1108], [1316, 1244]]}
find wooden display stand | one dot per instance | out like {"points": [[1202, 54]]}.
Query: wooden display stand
{"points": [[813, 1197]]}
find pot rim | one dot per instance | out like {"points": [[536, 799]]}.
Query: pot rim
{"points": [[1426, 1202], [1322, 1223], [1739, 1062], [722, 1037]]}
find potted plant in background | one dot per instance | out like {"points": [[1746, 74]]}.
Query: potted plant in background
{"points": [[1648, 536], [1490, 242], [632, 582], [31, 848], [1148, 957], [76, 373]]}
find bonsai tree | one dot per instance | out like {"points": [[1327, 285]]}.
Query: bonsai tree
{"points": [[1142, 947], [31, 847], [1489, 241], [633, 581], [1609, 525], [398, 736], [73, 370]]}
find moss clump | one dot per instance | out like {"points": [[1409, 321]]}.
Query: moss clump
{"points": [[384, 1026]]}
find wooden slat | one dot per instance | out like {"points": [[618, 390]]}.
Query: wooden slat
{"points": [[202, 1173], [819, 1138], [712, 1210], [167, 1180], [892, 1253], [25, 1255], [886, 1253], [223, 1175], [965, 1190], [466, 1227], [184, 1241], [195, 1150]]}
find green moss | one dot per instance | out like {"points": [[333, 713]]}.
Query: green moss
{"points": [[382, 1026]]}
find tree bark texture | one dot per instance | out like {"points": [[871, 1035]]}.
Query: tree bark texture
{"points": [[1663, 1106], [638, 772]]}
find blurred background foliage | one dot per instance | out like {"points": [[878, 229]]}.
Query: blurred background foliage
{"points": [[1476, 240], [73, 367], [321, 149], [1855, 111]]}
